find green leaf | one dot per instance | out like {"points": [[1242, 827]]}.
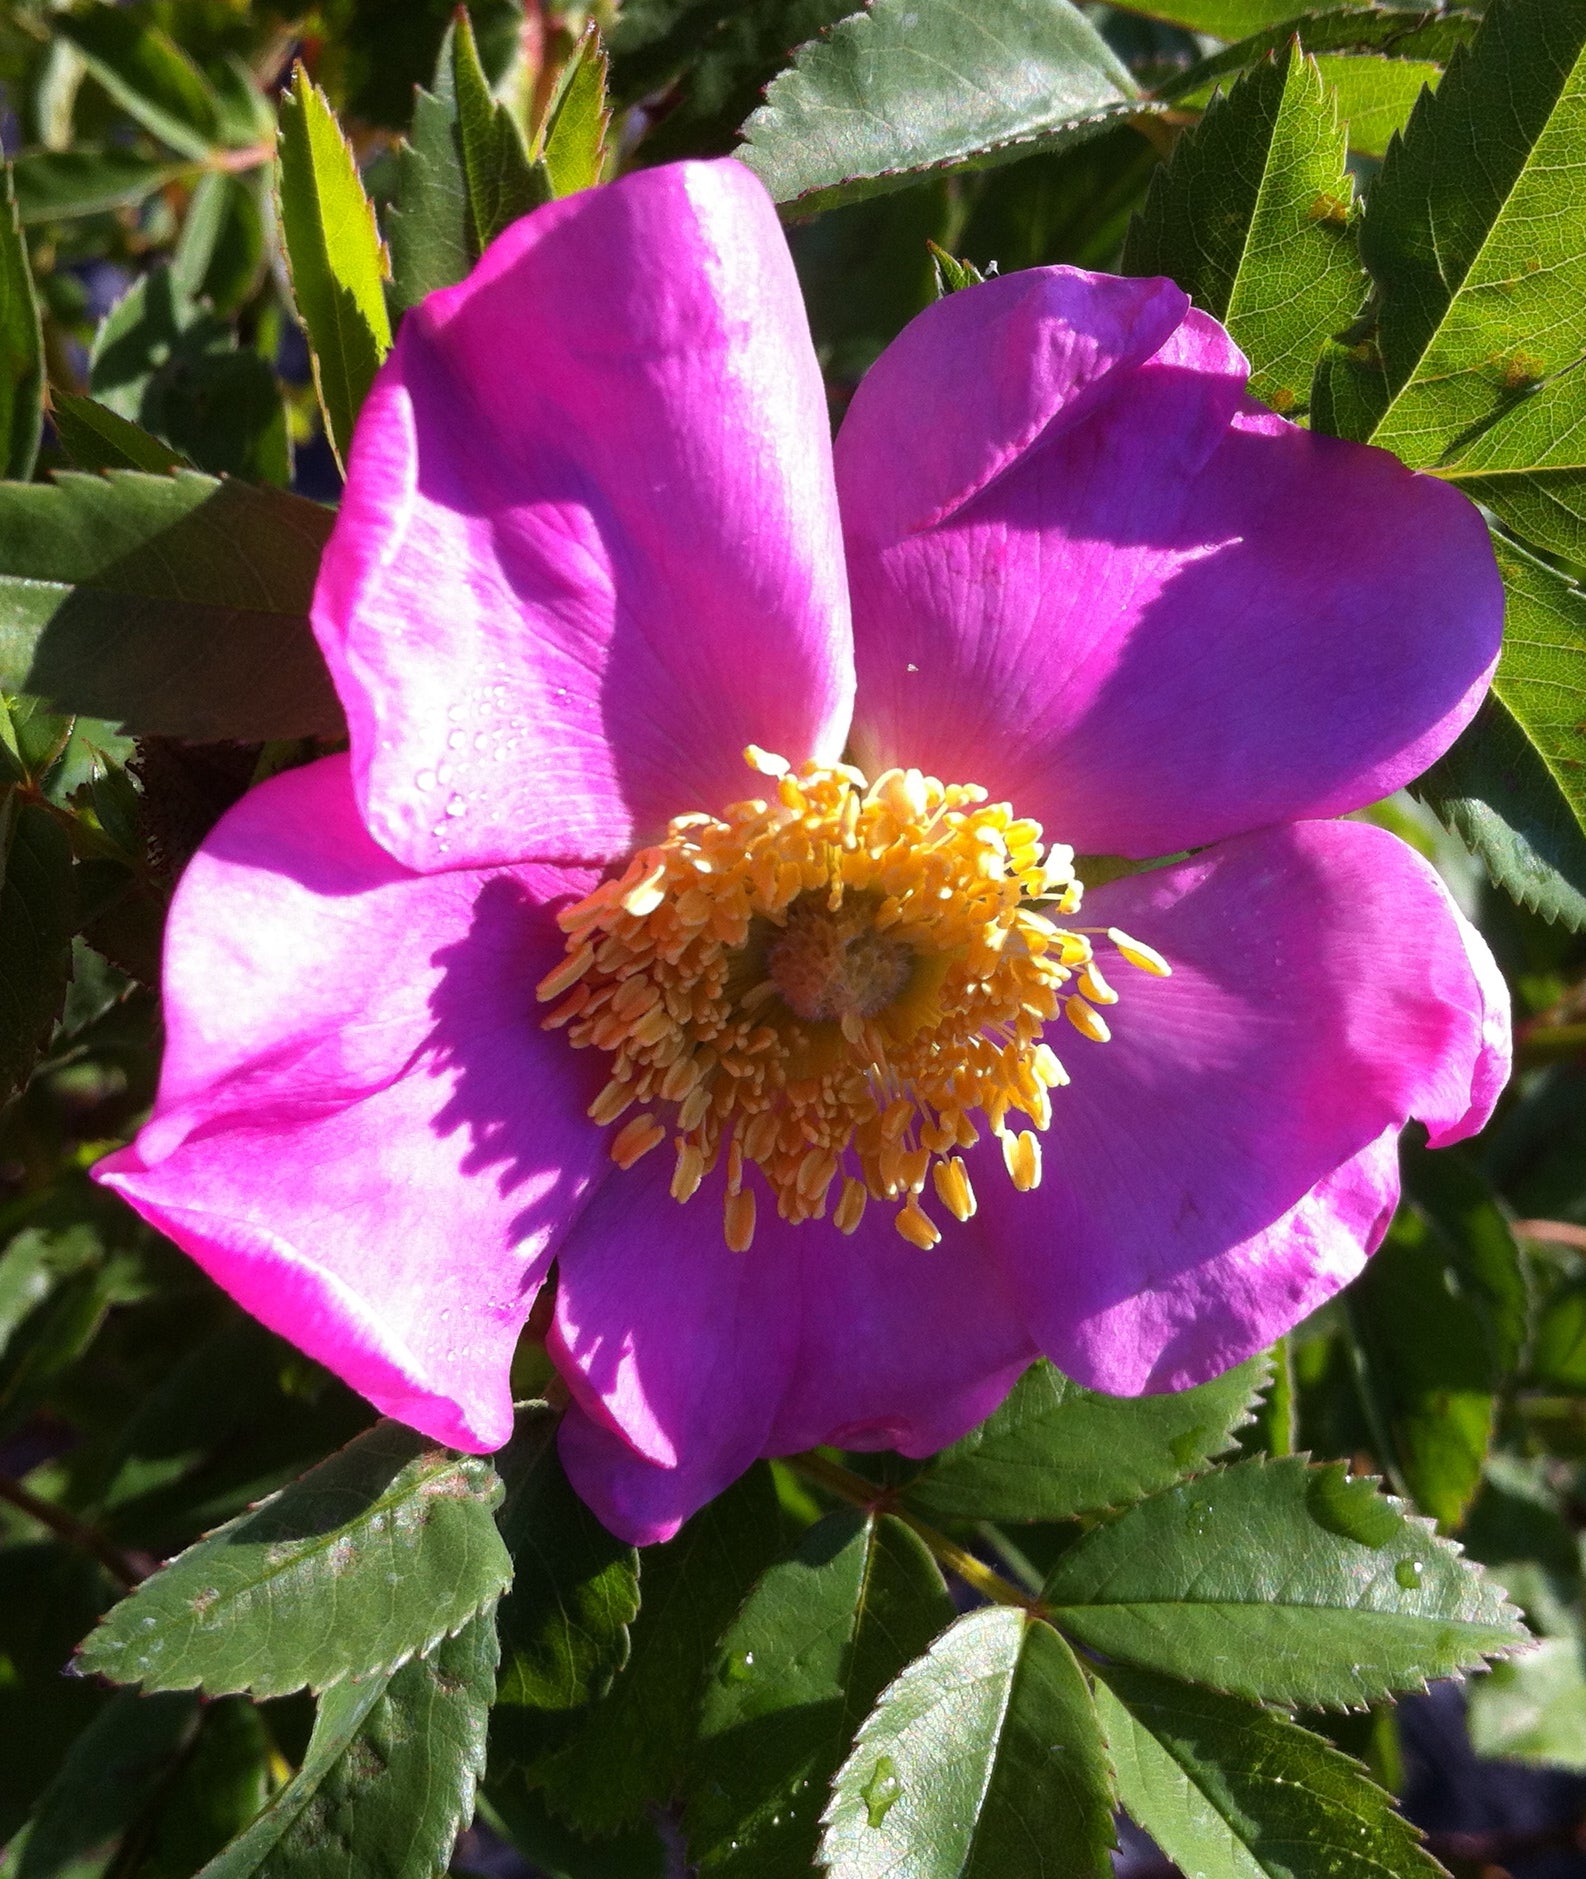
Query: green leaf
{"points": [[1252, 219], [172, 366], [334, 251], [1389, 30], [502, 183], [913, 85], [1457, 1198], [368, 1560], [1223, 19], [1475, 231], [1283, 1582], [1376, 95], [148, 74], [221, 253], [35, 1262], [575, 1588], [389, 1776], [1534, 1708], [97, 438], [36, 924], [49, 1593], [56, 185], [21, 347], [518, 1813], [631, 1747], [1514, 784], [1426, 1368], [799, 1668], [983, 1759], [574, 146], [1226, 1787], [103, 1784], [430, 230], [1054, 1450], [175, 604]]}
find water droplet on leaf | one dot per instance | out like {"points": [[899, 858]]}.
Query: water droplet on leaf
{"points": [[1351, 1508], [1408, 1573], [882, 1791]]}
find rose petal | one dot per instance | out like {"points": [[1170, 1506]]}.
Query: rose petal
{"points": [[1325, 989], [687, 1361], [362, 1133], [589, 548], [1171, 616]]}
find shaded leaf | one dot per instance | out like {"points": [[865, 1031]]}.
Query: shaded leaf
{"points": [[501, 181], [1388, 30], [97, 438], [983, 1758], [1376, 95], [430, 229], [799, 1668], [1223, 19], [1514, 784], [1283, 1582], [55, 185], [913, 85], [103, 1784], [1054, 1449], [21, 347], [1224, 1786], [371, 1558], [1252, 218], [1534, 1708], [174, 604], [575, 1588], [36, 925], [148, 74], [1475, 231], [574, 145], [174, 367], [1427, 1370], [631, 1747], [338, 264], [519, 1814], [389, 1776]]}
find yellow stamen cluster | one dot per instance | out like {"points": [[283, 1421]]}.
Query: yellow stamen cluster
{"points": [[828, 983]]}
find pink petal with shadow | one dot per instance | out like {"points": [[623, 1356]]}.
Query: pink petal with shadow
{"points": [[589, 548], [361, 1132]]}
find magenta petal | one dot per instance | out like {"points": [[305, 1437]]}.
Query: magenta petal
{"points": [[676, 1349], [589, 548], [1223, 1163], [687, 1361], [1169, 618], [361, 1132]]}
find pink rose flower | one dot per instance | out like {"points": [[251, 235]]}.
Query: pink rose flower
{"points": [[595, 545]]}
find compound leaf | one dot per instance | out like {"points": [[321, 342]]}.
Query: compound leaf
{"points": [[366, 1561], [1282, 1582], [984, 1758]]}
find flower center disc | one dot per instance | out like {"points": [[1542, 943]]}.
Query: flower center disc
{"points": [[829, 985]]}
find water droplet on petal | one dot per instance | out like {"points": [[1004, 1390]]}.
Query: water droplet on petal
{"points": [[457, 740], [455, 805], [426, 779]]}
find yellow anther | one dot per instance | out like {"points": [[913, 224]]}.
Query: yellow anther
{"points": [[610, 1103], [635, 1139], [954, 1189], [568, 973], [828, 987], [850, 1209], [1022, 1154], [738, 1220], [689, 1172], [1090, 984], [1146, 958], [916, 1226], [647, 895], [1087, 1022]]}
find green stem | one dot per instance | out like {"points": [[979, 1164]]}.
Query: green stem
{"points": [[127, 1568], [859, 1492]]}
